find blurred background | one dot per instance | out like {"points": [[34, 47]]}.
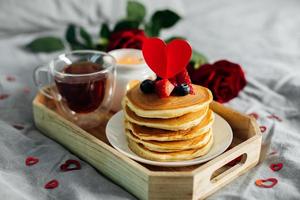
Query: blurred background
{"points": [[262, 36], [257, 34]]}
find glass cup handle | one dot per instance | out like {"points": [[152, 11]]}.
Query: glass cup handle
{"points": [[42, 85]]}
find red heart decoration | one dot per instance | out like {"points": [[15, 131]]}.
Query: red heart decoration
{"points": [[263, 129], [31, 160], [51, 184], [255, 115], [70, 165], [266, 183], [276, 166], [274, 117], [18, 126], [166, 60]]}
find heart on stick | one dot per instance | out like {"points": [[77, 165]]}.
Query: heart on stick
{"points": [[166, 60]]}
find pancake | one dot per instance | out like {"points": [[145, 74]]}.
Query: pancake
{"points": [[183, 122], [151, 106], [172, 146], [142, 151], [146, 133]]}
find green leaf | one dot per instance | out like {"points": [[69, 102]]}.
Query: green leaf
{"points": [[165, 18], [126, 24], [135, 11], [71, 34], [86, 37], [102, 44], [104, 32], [198, 59], [161, 19], [174, 37], [45, 44], [72, 38], [152, 29], [148, 29]]}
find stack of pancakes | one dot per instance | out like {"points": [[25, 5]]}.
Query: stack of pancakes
{"points": [[169, 129]]}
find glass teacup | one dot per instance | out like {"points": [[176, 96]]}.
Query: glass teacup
{"points": [[82, 84]]}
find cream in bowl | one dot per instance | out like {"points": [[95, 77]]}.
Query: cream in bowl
{"points": [[130, 65]]}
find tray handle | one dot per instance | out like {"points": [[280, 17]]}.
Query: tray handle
{"points": [[213, 175], [228, 170]]}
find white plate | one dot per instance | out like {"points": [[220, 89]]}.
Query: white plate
{"points": [[115, 133]]}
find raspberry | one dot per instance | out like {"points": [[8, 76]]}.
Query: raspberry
{"points": [[163, 88], [173, 81]]}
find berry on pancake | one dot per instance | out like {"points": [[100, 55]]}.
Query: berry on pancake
{"points": [[182, 89], [147, 86], [183, 77], [163, 88], [173, 80]]}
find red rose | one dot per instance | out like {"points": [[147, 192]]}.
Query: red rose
{"points": [[132, 38], [225, 79]]}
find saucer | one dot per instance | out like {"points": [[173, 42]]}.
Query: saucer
{"points": [[222, 134]]}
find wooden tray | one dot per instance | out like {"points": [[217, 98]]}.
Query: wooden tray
{"points": [[152, 182]]}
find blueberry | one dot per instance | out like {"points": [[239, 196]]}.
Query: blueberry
{"points": [[182, 89], [147, 86]]}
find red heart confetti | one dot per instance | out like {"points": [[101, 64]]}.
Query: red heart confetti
{"points": [[4, 96], [166, 60], [263, 129], [31, 160], [276, 166], [18, 126], [26, 90], [273, 153], [274, 117], [70, 165], [266, 183], [254, 114], [10, 78], [51, 184]]}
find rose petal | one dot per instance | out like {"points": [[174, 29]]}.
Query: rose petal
{"points": [[130, 38], [276, 166], [51, 184], [70, 165], [31, 160], [266, 183], [225, 79]]}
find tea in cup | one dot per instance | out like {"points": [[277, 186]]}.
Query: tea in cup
{"points": [[82, 84]]}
